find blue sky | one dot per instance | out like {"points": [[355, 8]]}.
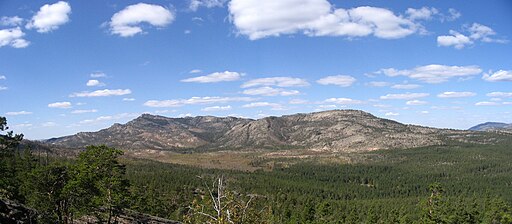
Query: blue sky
{"points": [[71, 66]]}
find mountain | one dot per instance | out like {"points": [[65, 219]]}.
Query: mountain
{"points": [[492, 126], [335, 130]]}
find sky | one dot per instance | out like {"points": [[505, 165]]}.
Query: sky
{"points": [[74, 66]]}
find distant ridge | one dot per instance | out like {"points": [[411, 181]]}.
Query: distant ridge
{"points": [[334, 130], [492, 126]]}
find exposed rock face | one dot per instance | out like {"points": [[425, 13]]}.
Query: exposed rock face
{"points": [[336, 130], [13, 213], [492, 126]]}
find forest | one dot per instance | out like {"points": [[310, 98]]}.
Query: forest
{"points": [[456, 183]]}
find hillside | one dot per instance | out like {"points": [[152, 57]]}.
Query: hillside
{"points": [[335, 130], [492, 126]]}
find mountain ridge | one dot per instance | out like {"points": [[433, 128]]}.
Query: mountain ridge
{"points": [[333, 130]]}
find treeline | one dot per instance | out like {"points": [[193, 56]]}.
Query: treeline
{"points": [[452, 184]]}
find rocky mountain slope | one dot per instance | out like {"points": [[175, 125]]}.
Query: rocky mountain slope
{"points": [[492, 126], [336, 130]]}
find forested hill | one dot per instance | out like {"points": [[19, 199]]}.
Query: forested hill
{"points": [[335, 130]]}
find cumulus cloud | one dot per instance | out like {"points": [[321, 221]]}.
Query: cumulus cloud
{"points": [[424, 13], [339, 80], [390, 114], [455, 39], [3, 88], [84, 111], [476, 32], [404, 96], [265, 18], [416, 102], [498, 76], [500, 94], [13, 37], [104, 92], [18, 113], [127, 22], [128, 99], [434, 73], [94, 82], [405, 86], [216, 108], [50, 17], [195, 100], [456, 94], [2, 77], [216, 77], [343, 101], [276, 81], [62, 105], [195, 4], [269, 91], [11, 21]]}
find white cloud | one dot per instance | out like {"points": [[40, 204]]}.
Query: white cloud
{"points": [[416, 102], [195, 100], [454, 14], [194, 71], [390, 114], [11, 21], [216, 108], [378, 84], [195, 4], [500, 94], [273, 106], [62, 105], [269, 91], [276, 81], [104, 92], [50, 17], [2, 77], [127, 22], [94, 82], [476, 32], [109, 118], [98, 75], [185, 115], [264, 18], [456, 94], [3, 88], [486, 103], [483, 33], [128, 99], [13, 37], [498, 76], [343, 101], [405, 86], [425, 13], [84, 111], [455, 39], [339, 80], [216, 77], [298, 101], [434, 73], [18, 113], [404, 96], [49, 124]]}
